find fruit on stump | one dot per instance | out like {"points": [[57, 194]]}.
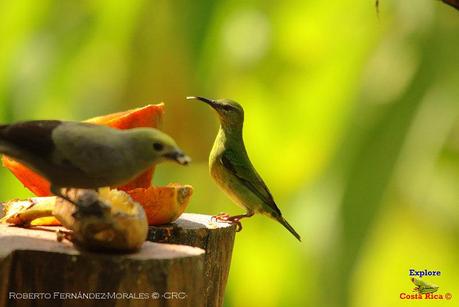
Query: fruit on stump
{"points": [[163, 204], [107, 220], [103, 220]]}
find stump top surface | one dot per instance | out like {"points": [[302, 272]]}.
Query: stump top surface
{"points": [[195, 221], [44, 239]]}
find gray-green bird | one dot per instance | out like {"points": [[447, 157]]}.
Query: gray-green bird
{"points": [[231, 168], [83, 155]]}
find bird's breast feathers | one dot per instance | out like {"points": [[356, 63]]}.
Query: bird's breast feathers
{"points": [[233, 187]]}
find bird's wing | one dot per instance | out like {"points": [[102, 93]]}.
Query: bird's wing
{"points": [[248, 176], [91, 148], [33, 136]]}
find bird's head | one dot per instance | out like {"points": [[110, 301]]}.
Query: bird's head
{"points": [[229, 111], [157, 146]]}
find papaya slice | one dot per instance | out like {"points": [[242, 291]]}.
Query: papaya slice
{"points": [[163, 204], [148, 116], [31, 180]]}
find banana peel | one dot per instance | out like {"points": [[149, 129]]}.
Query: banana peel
{"points": [[28, 212], [107, 220]]}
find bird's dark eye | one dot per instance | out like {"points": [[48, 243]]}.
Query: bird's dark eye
{"points": [[227, 107], [158, 146]]}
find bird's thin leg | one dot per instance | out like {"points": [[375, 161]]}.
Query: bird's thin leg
{"points": [[57, 191], [237, 218]]}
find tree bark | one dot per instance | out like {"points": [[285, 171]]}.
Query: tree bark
{"points": [[217, 239], [32, 262]]}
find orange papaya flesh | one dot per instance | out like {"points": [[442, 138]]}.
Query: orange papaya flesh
{"points": [[163, 204], [148, 116], [31, 180]]}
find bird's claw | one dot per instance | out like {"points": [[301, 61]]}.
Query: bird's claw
{"points": [[237, 223], [225, 217], [222, 216]]}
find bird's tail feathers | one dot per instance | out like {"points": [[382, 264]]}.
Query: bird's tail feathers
{"points": [[289, 227]]}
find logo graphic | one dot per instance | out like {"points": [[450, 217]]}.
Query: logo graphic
{"points": [[424, 289]]}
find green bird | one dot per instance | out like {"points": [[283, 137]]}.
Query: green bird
{"points": [[231, 168], [82, 155]]}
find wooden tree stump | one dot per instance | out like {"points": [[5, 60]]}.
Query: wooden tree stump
{"points": [[36, 270], [217, 239]]}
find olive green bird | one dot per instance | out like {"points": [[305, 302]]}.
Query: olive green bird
{"points": [[82, 155], [231, 168]]}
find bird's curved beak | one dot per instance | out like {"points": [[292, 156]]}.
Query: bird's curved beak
{"points": [[210, 102], [178, 156]]}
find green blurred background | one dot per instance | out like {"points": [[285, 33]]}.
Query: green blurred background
{"points": [[351, 119]]}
